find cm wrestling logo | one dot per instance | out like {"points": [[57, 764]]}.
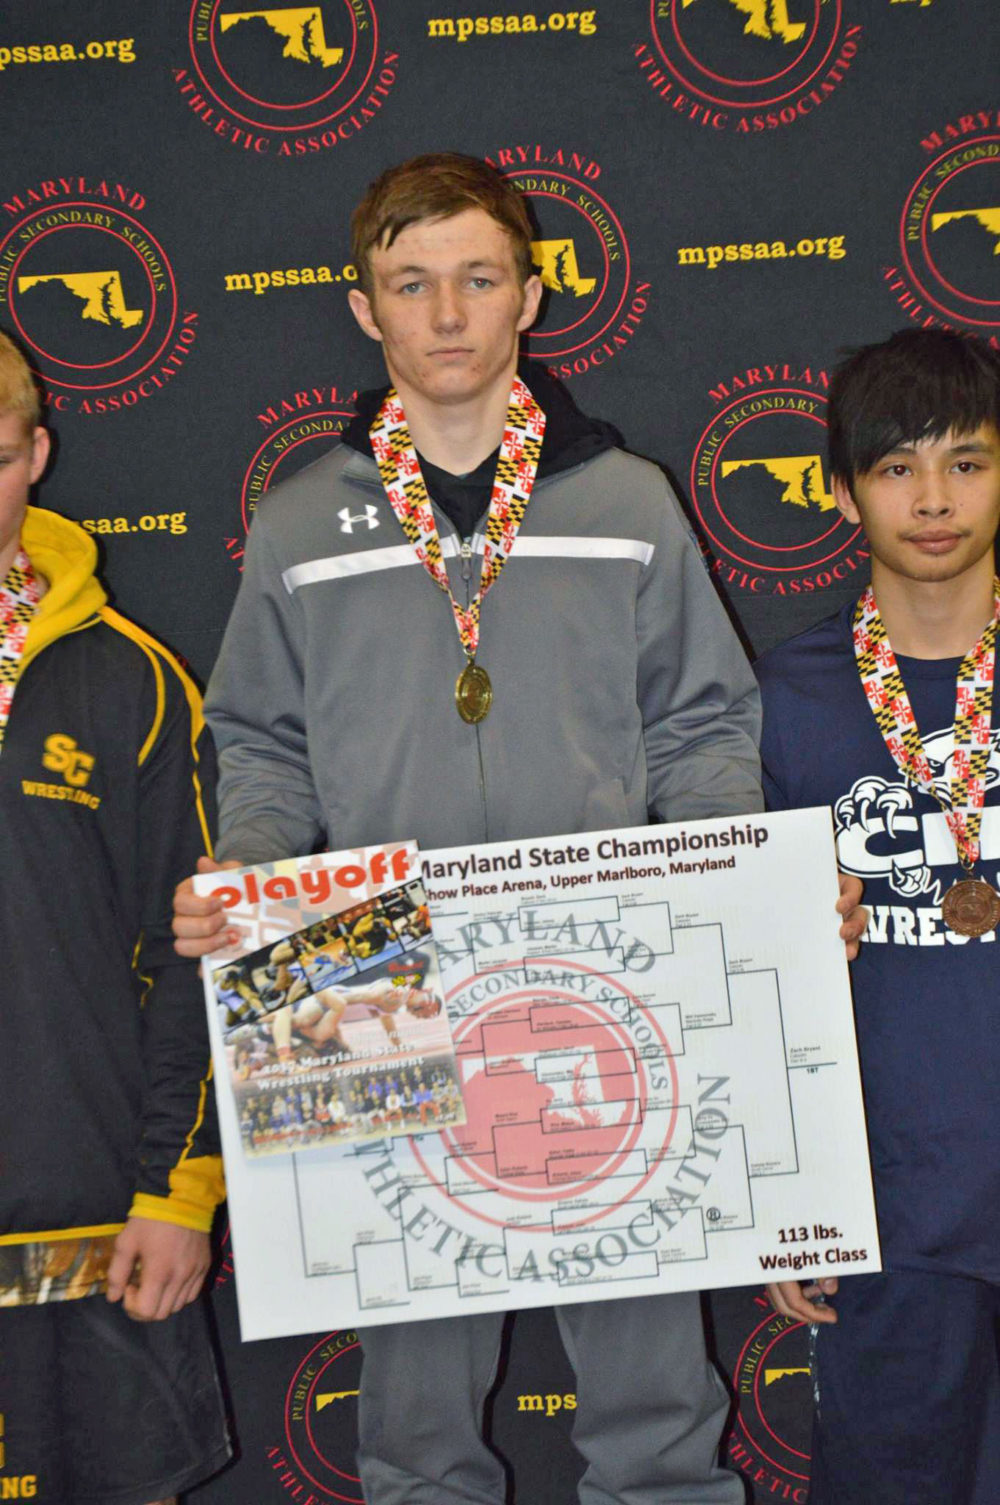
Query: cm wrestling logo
{"points": [[948, 267], [285, 80], [298, 429], [321, 1424], [592, 303], [773, 1385], [90, 290], [746, 65], [761, 489], [889, 832]]}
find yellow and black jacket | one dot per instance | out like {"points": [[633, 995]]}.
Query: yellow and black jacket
{"points": [[106, 1106]]}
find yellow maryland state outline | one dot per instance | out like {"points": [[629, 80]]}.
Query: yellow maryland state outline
{"points": [[767, 19], [301, 27], [801, 476], [102, 294]]}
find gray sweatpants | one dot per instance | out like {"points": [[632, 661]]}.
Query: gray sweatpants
{"points": [[650, 1408]]}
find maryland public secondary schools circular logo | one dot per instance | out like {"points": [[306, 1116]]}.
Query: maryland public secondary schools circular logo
{"points": [[299, 429], [321, 1418], [89, 289], [746, 65], [292, 79], [592, 305], [597, 1096], [949, 236], [773, 1385], [760, 487]]}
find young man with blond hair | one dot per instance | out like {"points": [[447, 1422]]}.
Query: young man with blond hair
{"points": [[110, 1158], [887, 712], [476, 620]]}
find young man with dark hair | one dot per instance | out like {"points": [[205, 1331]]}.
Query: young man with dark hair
{"points": [[110, 1157], [886, 711], [354, 702]]}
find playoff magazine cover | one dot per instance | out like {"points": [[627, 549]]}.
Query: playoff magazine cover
{"points": [[331, 1008]]}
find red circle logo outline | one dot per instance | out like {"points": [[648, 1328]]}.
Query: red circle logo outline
{"points": [[728, 549], [942, 307], [536, 339], [757, 83], [782, 1468], [342, 1474], [347, 415], [52, 378], [278, 125], [47, 354], [549, 1194]]}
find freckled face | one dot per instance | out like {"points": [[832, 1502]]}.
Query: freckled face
{"points": [[448, 307]]}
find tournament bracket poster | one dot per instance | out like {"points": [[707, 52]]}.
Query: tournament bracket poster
{"points": [[660, 1084]]}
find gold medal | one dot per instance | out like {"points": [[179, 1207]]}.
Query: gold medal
{"points": [[399, 467], [971, 907], [473, 693]]}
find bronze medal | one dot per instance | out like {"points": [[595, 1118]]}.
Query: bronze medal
{"points": [[473, 693], [971, 907]]}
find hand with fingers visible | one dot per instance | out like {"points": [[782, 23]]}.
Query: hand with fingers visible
{"points": [[855, 916], [157, 1268], [804, 1303], [200, 925]]}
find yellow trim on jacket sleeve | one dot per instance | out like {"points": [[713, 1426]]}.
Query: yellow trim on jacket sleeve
{"points": [[150, 646], [196, 1189], [161, 706], [148, 642], [199, 1116]]}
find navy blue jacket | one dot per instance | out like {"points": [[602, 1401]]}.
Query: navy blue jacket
{"points": [[927, 1002]]}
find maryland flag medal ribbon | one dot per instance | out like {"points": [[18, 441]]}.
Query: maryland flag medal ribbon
{"points": [[19, 595], [513, 483], [971, 906]]}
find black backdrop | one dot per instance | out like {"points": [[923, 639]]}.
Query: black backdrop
{"points": [[728, 192]]}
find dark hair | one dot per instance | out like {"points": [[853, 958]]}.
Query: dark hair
{"points": [[436, 186], [918, 384]]}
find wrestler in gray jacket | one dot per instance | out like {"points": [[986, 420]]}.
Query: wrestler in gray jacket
{"points": [[622, 693]]}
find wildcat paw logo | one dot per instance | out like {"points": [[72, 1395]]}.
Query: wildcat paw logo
{"points": [[299, 428], [746, 65], [593, 300], [947, 268], [285, 80], [90, 290], [761, 490], [317, 1460], [895, 837]]}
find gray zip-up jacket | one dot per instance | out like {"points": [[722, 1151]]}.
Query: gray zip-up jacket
{"points": [[622, 693]]}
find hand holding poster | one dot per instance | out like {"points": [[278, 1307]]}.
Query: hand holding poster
{"points": [[655, 1046]]}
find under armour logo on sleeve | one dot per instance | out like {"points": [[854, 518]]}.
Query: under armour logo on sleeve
{"points": [[349, 518]]}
